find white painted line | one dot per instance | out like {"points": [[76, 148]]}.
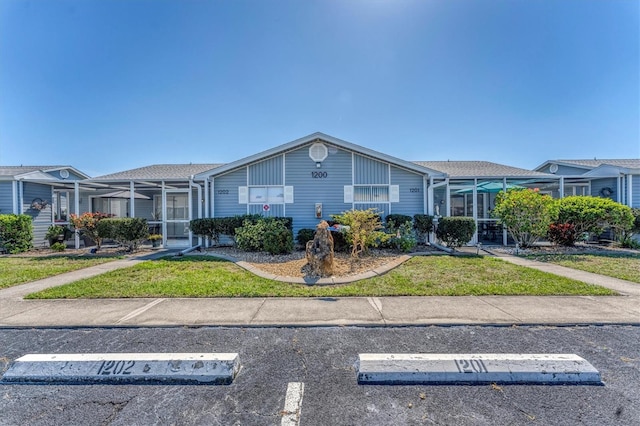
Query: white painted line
{"points": [[139, 311], [475, 368], [293, 404], [183, 368]]}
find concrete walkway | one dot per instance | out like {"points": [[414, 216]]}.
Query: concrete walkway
{"points": [[366, 311]]}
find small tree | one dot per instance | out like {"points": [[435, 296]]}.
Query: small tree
{"points": [[526, 213], [361, 229], [455, 231], [87, 224]]}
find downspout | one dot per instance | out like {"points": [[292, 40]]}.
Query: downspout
{"points": [[76, 208], [132, 206]]}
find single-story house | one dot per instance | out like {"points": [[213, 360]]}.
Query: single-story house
{"points": [[311, 178]]}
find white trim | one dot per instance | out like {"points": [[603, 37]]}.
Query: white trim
{"points": [[14, 191], [76, 208], [474, 210], [630, 190], [164, 215], [132, 198]]}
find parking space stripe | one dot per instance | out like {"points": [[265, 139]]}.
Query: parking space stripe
{"points": [[293, 404]]}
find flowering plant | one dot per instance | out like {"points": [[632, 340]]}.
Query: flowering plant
{"points": [[87, 224]]}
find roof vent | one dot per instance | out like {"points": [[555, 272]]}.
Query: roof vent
{"points": [[318, 152], [553, 168]]}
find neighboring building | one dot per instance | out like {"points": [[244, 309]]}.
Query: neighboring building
{"points": [[42, 192], [616, 179], [310, 179]]}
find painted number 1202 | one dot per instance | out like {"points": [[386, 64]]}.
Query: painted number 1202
{"points": [[115, 367]]}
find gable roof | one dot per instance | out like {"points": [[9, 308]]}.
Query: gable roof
{"points": [[159, 172], [628, 163], [479, 169], [318, 137], [18, 171]]}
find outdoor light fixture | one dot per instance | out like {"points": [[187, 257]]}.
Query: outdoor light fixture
{"points": [[318, 164]]}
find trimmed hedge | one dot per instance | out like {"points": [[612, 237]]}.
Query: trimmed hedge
{"points": [[129, 232], [16, 232], [456, 231], [267, 234], [214, 227], [423, 224]]}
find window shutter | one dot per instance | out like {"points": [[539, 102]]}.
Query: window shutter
{"points": [[394, 193], [348, 194], [288, 194], [243, 195]]}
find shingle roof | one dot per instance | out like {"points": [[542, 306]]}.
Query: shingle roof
{"points": [[478, 169], [632, 163], [19, 170], [159, 172]]}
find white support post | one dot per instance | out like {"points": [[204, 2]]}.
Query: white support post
{"points": [[164, 215], [561, 189], [630, 190], [76, 208], [190, 201], [504, 230], [15, 208], [474, 207], [20, 197], [428, 197], [447, 199], [205, 189], [132, 200]]}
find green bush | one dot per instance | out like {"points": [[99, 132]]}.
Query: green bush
{"points": [[423, 224], [636, 220], [404, 239], [361, 230], [266, 234], [455, 231], [59, 246], [213, 228], [16, 232], [526, 213], [54, 233], [304, 236], [594, 214], [129, 232], [208, 227], [393, 221]]}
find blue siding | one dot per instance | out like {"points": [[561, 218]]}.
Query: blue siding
{"points": [[369, 172], [225, 194], [308, 190], [566, 170], [598, 184], [72, 175], [275, 210], [267, 172], [635, 189], [383, 208], [412, 194], [41, 218], [6, 197]]}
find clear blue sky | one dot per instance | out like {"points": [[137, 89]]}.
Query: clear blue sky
{"points": [[112, 85]]}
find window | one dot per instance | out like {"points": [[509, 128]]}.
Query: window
{"points": [[371, 194], [266, 195]]}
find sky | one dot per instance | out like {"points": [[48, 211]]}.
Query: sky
{"points": [[111, 85]]}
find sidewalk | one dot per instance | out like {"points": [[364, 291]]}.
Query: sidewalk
{"points": [[361, 311]]}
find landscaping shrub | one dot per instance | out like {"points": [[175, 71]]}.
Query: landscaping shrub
{"points": [[87, 224], [213, 228], [59, 246], [404, 238], [304, 236], [595, 215], [208, 227], [266, 234], [55, 233], [393, 221], [423, 224], [455, 231], [563, 234], [16, 232], [129, 232], [526, 213], [361, 229], [636, 220]]}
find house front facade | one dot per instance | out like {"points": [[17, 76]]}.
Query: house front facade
{"points": [[310, 179]]}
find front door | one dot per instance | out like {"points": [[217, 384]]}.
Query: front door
{"points": [[178, 214]]}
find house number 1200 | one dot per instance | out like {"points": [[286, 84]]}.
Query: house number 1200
{"points": [[319, 175]]}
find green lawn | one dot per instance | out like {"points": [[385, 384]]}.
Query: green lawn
{"points": [[625, 266], [18, 270], [203, 276]]}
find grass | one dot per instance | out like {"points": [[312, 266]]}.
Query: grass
{"points": [[19, 270], [625, 266], [203, 276]]}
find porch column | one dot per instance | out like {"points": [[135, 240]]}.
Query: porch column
{"points": [[630, 190], [504, 230], [447, 196], [132, 198], [20, 197], [474, 208], [561, 189], [164, 215], [76, 208], [190, 201], [15, 197], [428, 197]]}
